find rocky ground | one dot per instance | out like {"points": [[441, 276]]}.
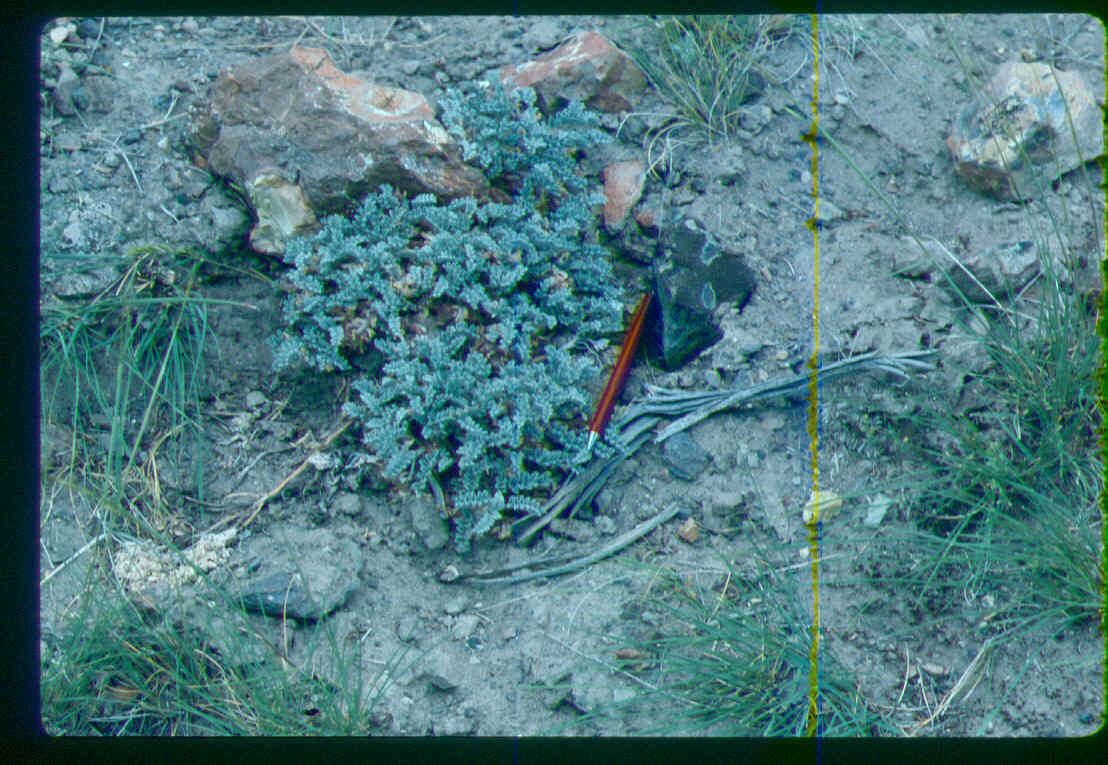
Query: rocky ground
{"points": [[529, 658]]}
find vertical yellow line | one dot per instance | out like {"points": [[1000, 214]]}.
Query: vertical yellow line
{"points": [[812, 137]]}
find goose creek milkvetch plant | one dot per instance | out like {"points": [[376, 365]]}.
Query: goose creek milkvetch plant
{"points": [[464, 324]]}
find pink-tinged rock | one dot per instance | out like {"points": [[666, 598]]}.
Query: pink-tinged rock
{"points": [[303, 123], [586, 68], [1021, 140], [623, 184], [365, 100]]}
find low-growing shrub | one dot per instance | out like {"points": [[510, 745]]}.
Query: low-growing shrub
{"points": [[467, 321]]}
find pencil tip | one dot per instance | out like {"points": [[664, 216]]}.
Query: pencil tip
{"points": [[592, 440]]}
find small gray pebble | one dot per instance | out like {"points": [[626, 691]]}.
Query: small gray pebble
{"points": [[88, 29], [685, 458], [456, 605], [348, 504], [81, 98]]}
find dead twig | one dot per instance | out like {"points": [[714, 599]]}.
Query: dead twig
{"points": [[634, 427], [617, 544], [582, 488], [71, 558], [971, 673], [295, 473], [696, 407]]}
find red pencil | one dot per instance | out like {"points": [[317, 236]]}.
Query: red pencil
{"points": [[619, 374]]}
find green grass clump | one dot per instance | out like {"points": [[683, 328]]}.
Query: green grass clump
{"points": [[706, 67], [1014, 505], [129, 359], [119, 670], [732, 658], [1007, 509]]}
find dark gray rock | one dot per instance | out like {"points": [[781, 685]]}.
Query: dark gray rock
{"points": [[284, 595], [693, 275], [311, 573], [1002, 270], [685, 458]]}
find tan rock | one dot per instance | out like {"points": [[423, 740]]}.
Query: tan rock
{"points": [[283, 212], [1022, 139], [829, 506]]}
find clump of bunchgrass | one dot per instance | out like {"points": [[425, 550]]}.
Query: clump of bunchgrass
{"points": [[706, 67], [129, 359], [113, 672], [116, 669], [1014, 504], [731, 656], [1007, 480]]}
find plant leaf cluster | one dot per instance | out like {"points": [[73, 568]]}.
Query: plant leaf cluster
{"points": [[461, 320]]}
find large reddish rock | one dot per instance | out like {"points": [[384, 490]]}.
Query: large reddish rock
{"points": [[304, 139], [1020, 138], [585, 68]]}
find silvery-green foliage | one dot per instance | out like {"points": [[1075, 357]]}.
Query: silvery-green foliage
{"points": [[468, 317]]}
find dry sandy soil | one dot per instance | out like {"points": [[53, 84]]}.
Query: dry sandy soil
{"points": [[490, 656]]}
